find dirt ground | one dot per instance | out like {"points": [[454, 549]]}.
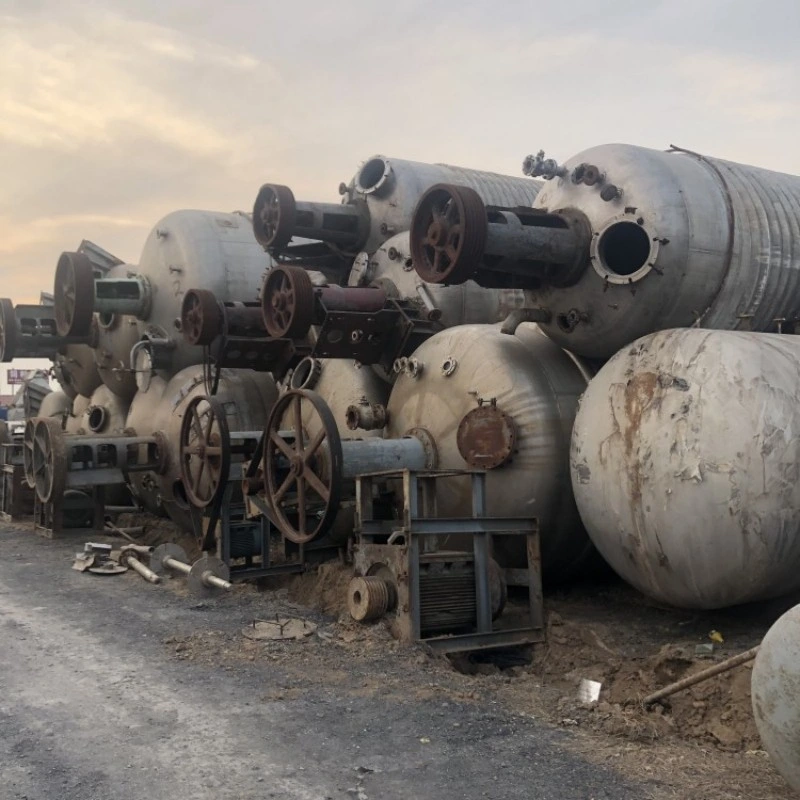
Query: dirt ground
{"points": [[700, 743]]}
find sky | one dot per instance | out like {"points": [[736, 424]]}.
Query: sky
{"points": [[113, 114]]}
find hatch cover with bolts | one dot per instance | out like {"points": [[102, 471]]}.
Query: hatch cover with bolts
{"points": [[486, 437]]}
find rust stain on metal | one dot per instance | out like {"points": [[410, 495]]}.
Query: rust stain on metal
{"points": [[486, 437]]}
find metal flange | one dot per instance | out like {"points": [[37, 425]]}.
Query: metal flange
{"points": [[168, 550], [209, 574]]}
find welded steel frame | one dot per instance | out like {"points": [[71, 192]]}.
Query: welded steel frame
{"points": [[419, 528]]}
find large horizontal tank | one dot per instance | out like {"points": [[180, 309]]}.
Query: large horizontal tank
{"points": [[636, 240], [685, 464], [185, 250], [776, 699], [376, 204], [247, 397], [504, 403]]}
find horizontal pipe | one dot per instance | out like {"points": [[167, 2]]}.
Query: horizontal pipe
{"points": [[144, 571], [360, 456], [344, 225], [349, 298], [179, 566], [122, 296]]}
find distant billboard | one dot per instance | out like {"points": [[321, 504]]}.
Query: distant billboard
{"points": [[16, 377]]}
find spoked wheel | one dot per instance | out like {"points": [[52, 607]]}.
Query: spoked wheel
{"points": [[274, 215], [201, 319], [303, 474], [27, 452], [448, 234], [8, 330], [73, 295], [49, 459], [287, 302], [205, 451]]}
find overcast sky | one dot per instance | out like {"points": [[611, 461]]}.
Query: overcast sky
{"points": [[113, 114]]}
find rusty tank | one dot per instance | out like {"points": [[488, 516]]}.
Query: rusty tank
{"points": [[685, 466]]}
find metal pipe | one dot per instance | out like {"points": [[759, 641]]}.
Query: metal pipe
{"points": [[517, 241], [361, 456], [434, 313], [520, 315]]}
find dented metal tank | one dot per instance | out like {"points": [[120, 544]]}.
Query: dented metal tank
{"points": [[483, 399], [776, 699], [185, 250], [685, 466], [625, 240]]}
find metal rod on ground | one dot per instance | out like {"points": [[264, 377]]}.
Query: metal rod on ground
{"points": [[144, 571], [698, 677], [123, 531], [205, 574]]}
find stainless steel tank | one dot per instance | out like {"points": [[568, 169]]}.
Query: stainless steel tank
{"points": [[489, 400], [776, 700], [376, 204], [685, 466], [73, 422], [105, 413], [627, 240], [185, 250], [247, 397], [392, 268]]}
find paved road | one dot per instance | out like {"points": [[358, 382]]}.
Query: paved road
{"points": [[93, 706]]}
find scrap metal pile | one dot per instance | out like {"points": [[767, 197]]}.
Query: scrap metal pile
{"points": [[504, 379]]}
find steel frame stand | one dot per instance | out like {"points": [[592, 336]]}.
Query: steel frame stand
{"points": [[403, 545]]}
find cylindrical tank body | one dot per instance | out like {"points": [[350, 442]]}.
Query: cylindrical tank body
{"points": [[391, 188], [686, 239], [776, 699], [190, 250], [504, 403], [55, 404], [392, 268], [685, 466], [106, 413], [247, 397], [76, 371]]}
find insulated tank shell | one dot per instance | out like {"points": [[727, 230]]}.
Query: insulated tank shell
{"points": [[775, 690], [73, 422], [535, 383], [55, 404], [690, 240], [392, 187], [685, 463], [75, 370]]}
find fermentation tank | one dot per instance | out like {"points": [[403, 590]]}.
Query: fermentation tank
{"points": [[624, 240], [685, 463], [505, 403], [776, 701]]}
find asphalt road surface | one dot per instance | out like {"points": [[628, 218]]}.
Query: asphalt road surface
{"points": [[93, 706]]}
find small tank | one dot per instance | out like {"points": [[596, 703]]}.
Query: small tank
{"points": [[185, 250], [776, 700], [484, 399], [685, 466], [624, 240]]}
